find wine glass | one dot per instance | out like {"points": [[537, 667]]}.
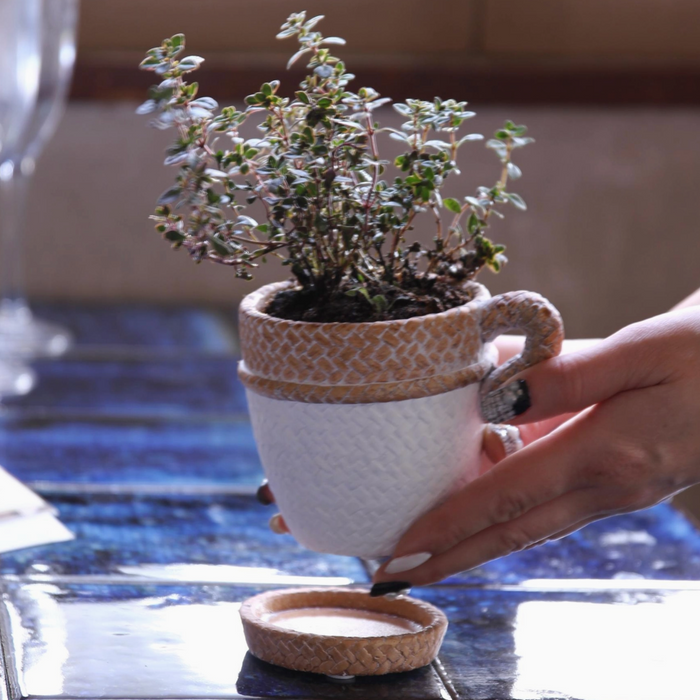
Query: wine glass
{"points": [[20, 34], [53, 55]]}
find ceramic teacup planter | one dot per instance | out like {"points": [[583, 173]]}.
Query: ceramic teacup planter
{"points": [[363, 427], [364, 383]]}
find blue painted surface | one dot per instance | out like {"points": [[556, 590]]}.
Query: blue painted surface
{"points": [[145, 534], [167, 386], [166, 641], [129, 451], [150, 327]]}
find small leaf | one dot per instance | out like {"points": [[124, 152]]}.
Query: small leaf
{"points": [[247, 221], [218, 246], [205, 103], [169, 196], [196, 60], [334, 40], [514, 172], [310, 24], [323, 72], [453, 205], [517, 200], [176, 158], [174, 236], [470, 137], [296, 57], [147, 107], [378, 103]]}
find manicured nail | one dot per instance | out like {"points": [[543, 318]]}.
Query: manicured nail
{"points": [[389, 587], [276, 525], [410, 561], [510, 438], [264, 495], [507, 402]]}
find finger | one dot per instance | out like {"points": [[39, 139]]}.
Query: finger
{"points": [[278, 525], [569, 383], [585, 455], [533, 527], [499, 441], [565, 532], [529, 432], [264, 494], [538, 473]]}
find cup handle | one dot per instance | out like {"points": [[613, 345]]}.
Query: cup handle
{"points": [[532, 315]]}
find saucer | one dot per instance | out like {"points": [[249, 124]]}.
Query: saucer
{"points": [[342, 632]]}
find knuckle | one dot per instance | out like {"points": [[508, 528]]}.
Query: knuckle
{"points": [[514, 539], [629, 476], [621, 465], [510, 505], [571, 380]]}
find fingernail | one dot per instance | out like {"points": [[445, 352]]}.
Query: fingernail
{"points": [[276, 525], [510, 438], [507, 402], [389, 587], [264, 495], [410, 561]]}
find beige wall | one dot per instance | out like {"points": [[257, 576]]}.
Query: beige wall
{"points": [[611, 234]]}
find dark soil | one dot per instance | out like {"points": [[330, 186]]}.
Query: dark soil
{"points": [[426, 295]]}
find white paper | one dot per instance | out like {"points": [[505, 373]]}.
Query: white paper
{"points": [[31, 531], [26, 520]]}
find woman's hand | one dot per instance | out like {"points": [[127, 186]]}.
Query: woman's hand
{"points": [[498, 440], [634, 443]]}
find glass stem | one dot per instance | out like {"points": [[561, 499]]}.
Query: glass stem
{"points": [[13, 203]]}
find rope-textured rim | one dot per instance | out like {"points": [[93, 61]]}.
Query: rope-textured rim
{"points": [[364, 393], [360, 362], [336, 655]]}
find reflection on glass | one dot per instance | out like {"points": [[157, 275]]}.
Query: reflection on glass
{"points": [[20, 22], [43, 70], [636, 649]]}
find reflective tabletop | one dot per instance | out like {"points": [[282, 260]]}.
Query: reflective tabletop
{"points": [[141, 440]]}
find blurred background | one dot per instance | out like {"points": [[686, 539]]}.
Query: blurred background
{"points": [[610, 92]]}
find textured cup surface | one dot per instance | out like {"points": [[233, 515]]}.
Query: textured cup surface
{"points": [[363, 427], [350, 478]]}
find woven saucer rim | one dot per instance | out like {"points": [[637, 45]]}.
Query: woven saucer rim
{"points": [[438, 617]]}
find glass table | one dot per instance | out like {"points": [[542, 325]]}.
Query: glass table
{"points": [[141, 440]]}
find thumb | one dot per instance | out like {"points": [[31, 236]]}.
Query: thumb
{"points": [[569, 383]]}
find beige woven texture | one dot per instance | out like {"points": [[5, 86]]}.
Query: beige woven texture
{"points": [[389, 360], [337, 656]]}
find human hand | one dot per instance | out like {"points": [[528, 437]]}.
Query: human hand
{"points": [[634, 444], [498, 440]]}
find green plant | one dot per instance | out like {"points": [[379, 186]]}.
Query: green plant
{"points": [[332, 212]]}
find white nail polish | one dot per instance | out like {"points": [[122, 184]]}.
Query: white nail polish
{"points": [[410, 561]]}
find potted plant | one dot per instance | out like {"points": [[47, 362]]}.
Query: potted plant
{"points": [[363, 372]]}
